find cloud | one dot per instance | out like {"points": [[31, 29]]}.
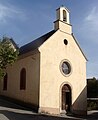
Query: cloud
{"points": [[89, 30], [3, 13], [92, 18], [9, 11], [89, 26]]}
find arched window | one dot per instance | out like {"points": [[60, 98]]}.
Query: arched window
{"points": [[64, 16], [5, 80], [23, 79]]}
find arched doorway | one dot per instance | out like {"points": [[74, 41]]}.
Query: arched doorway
{"points": [[66, 98]]}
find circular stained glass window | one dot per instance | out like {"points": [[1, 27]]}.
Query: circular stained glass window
{"points": [[66, 68]]}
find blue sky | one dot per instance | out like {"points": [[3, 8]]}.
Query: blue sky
{"points": [[25, 20]]}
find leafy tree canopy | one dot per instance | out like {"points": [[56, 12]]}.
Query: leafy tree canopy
{"points": [[8, 54], [92, 88]]}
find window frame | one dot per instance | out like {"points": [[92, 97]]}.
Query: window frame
{"points": [[69, 66]]}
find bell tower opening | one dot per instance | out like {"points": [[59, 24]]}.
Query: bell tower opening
{"points": [[64, 16], [62, 20]]}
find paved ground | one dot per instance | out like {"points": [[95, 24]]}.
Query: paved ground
{"points": [[93, 115], [11, 111]]}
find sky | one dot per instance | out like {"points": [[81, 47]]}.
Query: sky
{"points": [[26, 20]]}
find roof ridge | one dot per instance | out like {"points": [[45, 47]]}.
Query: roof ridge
{"points": [[35, 43]]}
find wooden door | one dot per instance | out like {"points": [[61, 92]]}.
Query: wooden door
{"points": [[66, 97]]}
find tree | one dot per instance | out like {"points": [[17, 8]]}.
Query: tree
{"points": [[92, 88], [92, 92], [8, 54]]}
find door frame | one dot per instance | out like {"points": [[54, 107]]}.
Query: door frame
{"points": [[70, 87]]}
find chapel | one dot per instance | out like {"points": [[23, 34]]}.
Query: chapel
{"points": [[50, 73]]}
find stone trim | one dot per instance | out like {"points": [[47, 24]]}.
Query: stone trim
{"points": [[48, 110]]}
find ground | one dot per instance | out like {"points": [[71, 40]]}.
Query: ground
{"points": [[11, 111]]}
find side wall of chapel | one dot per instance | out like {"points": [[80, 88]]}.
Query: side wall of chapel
{"points": [[31, 93]]}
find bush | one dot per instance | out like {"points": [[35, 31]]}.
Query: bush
{"points": [[92, 105]]}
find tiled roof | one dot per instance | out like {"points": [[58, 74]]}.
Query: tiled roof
{"points": [[36, 43]]}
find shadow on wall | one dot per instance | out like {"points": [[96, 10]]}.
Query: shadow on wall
{"points": [[80, 105]]}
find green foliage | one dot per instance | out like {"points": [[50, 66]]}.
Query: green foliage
{"points": [[92, 88], [92, 92], [92, 105], [8, 54]]}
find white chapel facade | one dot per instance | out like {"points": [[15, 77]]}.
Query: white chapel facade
{"points": [[50, 73]]}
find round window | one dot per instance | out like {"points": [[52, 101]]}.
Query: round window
{"points": [[65, 42], [65, 68]]}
